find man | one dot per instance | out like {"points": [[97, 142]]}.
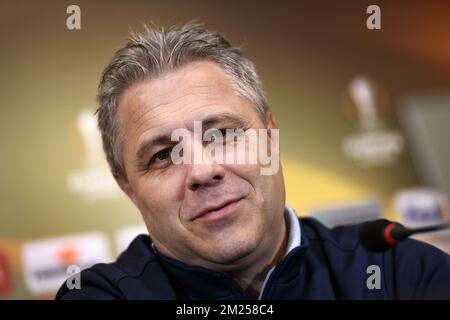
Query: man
{"points": [[217, 229]]}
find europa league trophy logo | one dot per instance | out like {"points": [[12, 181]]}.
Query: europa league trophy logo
{"points": [[93, 181], [374, 143]]}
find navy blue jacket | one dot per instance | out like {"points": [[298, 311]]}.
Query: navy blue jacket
{"points": [[329, 264]]}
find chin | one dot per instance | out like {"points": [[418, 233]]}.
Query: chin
{"points": [[229, 252]]}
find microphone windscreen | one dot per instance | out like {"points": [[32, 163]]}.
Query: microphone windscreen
{"points": [[371, 235]]}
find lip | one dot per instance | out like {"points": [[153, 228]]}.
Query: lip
{"points": [[219, 211]]}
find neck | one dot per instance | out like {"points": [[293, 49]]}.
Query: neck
{"points": [[252, 278]]}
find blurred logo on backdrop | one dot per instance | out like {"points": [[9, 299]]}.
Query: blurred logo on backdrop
{"points": [[5, 277], [94, 181], [374, 143], [423, 207], [348, 213], [46, 261]]}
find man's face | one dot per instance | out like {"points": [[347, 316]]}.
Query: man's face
{"points": [[208, 214]]}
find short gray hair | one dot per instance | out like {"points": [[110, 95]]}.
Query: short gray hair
{"points": [[156, 51]]}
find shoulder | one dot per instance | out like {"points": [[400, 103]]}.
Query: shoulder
{"points": [[134, 275], [410, 269], [423, 269]]}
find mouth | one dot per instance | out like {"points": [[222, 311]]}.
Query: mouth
{"points": [[218, 212]]}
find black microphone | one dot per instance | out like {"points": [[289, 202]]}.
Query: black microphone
{"points": [[380, 235]]}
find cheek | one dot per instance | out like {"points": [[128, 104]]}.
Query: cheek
{"points": [[249, 176], [247, 172], [160, 195], [266, 188]]}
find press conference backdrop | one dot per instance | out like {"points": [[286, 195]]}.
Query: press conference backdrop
{"points": [[363, 116]]}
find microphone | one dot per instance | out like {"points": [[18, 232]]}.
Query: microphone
{"points": [[380, 235]]}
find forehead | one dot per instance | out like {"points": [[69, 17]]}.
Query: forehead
{"points": [[177, 98]]}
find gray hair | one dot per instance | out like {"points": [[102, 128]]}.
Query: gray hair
{"points": [[155, 52]]}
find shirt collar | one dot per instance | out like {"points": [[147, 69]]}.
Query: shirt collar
{"points": [[293, 229], [294, 234]]}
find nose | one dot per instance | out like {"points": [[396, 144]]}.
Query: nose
{"points": [[204, 174]]}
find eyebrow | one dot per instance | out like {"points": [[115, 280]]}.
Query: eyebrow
{"points": [[225, 119], [207, 123], [146, 146]]}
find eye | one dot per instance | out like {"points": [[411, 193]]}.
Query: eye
{"points": [[215, 136], [160, 157], [233, 135]]}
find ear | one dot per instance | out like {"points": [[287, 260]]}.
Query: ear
{"points": [[271, 124], [126, 187], [270, 120]]}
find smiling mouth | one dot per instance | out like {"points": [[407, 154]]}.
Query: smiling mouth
{"points": [[220, 212]]}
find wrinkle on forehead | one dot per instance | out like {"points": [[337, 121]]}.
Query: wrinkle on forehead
{"points": [[166, 122], [186, 91], [201, 77], [163, 100], [195, 104]]}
